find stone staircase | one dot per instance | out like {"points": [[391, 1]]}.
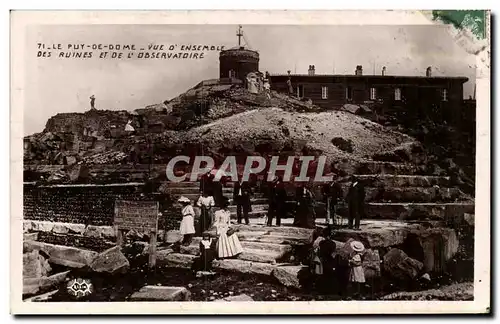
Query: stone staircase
{"points": [[395, 191], [265, 249]]}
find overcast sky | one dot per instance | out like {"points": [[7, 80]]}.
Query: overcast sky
{"points": [[56, 85]]}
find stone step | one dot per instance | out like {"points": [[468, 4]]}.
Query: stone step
{"points": [[193, 248], [248, 254], [276, 238], [284, 231], [415, 211], [390, 180], [193, 190], [255, 208], [252, 214], [194, 196], [413, 194], [395, 168]]}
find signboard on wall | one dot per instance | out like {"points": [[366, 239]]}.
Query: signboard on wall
{"points": [[141, 216]]}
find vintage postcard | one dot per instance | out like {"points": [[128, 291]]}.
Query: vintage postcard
{"points": [[250, 162]]}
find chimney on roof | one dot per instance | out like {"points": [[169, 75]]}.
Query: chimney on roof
{"points": [[428, 72], [384, 70], [311, 70], [359, 70]]}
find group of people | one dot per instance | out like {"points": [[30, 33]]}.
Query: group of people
{"points": [[226, 244], [337, 269]]}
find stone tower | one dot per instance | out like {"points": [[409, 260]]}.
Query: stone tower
{"points": [[238, 62]]}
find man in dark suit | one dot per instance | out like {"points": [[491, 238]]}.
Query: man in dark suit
{"points": [[241, 195], [207, 183], [356, 201], [332, 196], [277, 201]]}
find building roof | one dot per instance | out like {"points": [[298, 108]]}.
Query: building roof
{"points": [[374, 76]]}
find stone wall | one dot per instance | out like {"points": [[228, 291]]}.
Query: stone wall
{"points": [[81, 204]]}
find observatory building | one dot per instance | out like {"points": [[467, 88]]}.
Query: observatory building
{"points": [[239, 61]]}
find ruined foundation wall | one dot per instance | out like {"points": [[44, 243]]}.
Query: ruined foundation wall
{"points": [[91, 205]]}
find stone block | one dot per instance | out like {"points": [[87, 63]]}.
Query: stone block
{"points": [[33, 285], [173, 236], [238, 298], [159, 293], [30, 236], [289, 275], [175, 260], [35, 265], [243, 266], [62, 255], [400, 266], [110, 261], [436, 246]]}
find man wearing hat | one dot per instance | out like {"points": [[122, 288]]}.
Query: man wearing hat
{"points": [[356, 201]]}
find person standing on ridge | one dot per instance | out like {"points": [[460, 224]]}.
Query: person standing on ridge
{"points": [[92, 102]]}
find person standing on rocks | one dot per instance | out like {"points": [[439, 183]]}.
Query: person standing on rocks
{"points": [[304, 215], [356, 201], [356, 272], [332, 195], [187, 223], [241, 195], [92, 102], [277, 201], [228, 244], [206, 203]]}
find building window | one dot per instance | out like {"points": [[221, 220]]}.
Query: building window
{"points": [[444, 95], [348, 93], [232, 74], [324, 92], [397, 94], [373, 93], [300, 91]]}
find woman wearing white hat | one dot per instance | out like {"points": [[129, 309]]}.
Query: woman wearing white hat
{"points": [[356, 273], [187, 223]]}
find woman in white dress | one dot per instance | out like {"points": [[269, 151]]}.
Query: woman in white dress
{"points": [[227, 245], [187, 223]]}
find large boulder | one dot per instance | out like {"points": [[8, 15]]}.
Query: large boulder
{"points": [[400, 266], [35, 265], [159, 293], [111, 261], [289, 275], [435, 246]]}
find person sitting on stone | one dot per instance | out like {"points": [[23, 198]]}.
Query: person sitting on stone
{"points": [[207, 252]]}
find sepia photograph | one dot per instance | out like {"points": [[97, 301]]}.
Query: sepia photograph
{"points": [[251, 162]]}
